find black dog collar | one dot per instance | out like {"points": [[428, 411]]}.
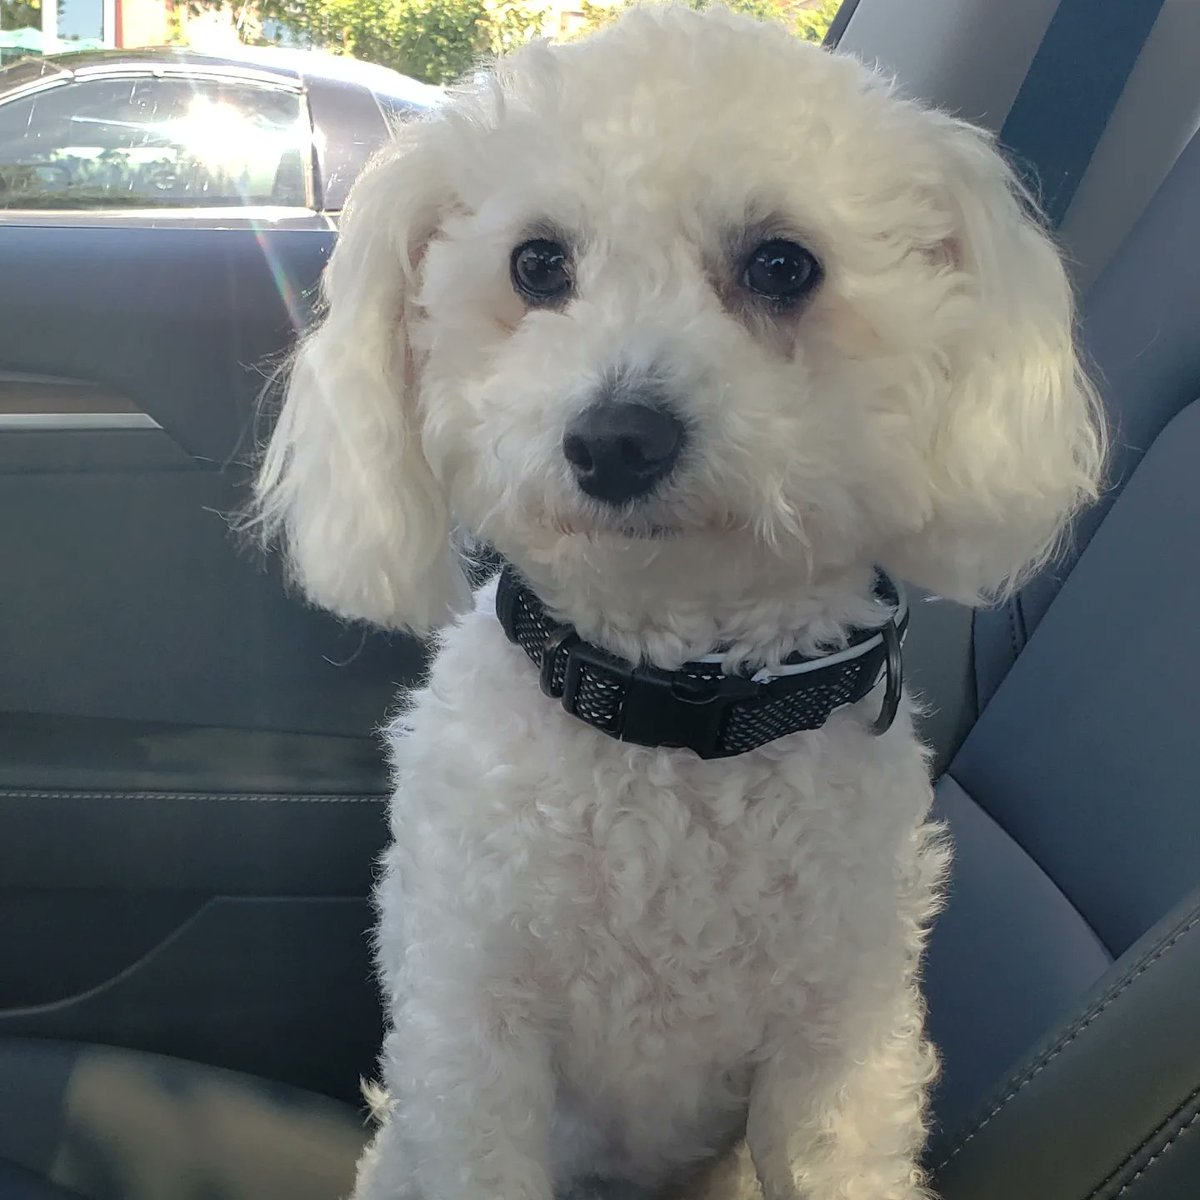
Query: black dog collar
{"points": [[699, 707]]}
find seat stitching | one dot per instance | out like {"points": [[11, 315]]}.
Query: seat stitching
{"points": [[1174, 1115], [60, 1189], [1037, 862], [1014, 635], [1171, 1141], [1073, 1032]]}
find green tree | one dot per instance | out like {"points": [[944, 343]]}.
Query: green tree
{"points": [[812, 24], [20, 14], [433, 40], [441, 40], [808, 22]]}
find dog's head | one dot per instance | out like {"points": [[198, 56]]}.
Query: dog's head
{"points": [[688, 300]]}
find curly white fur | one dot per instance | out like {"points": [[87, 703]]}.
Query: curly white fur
{"points": [[607, 962]]}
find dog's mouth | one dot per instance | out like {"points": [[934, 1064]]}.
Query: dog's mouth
{"points": [[623, 528], [649, 533], [639, 523]]}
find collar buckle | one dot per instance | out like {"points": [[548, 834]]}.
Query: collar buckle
{"points": [[658, 708], [556, 640], [893, 671]]}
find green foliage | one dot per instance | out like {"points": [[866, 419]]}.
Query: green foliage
{"points": [[20, 14], [812, 24], [441, 40], [433, 40], [176, 31], [809, 23]]}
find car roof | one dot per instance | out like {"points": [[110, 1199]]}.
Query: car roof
{"points": [[283, 65]]}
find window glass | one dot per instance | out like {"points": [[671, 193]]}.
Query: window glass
{"points": [[81, 22], [397, 111], [141, 142]]}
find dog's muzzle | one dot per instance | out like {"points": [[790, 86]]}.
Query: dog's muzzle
{"points": [[621, 451]]}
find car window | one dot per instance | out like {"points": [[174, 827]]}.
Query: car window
{"points": [[141, 141], [397, 111], [350, 127]]}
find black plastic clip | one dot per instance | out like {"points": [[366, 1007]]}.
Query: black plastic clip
{"points": [[894, 670], [555, 641]]}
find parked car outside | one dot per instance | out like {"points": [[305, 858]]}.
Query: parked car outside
{"points": [[167, 135]]}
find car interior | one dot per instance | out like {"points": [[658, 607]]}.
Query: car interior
{"points": [[192, 797]]}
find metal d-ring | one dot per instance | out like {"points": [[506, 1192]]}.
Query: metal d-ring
{"points": [[894, 666], [556, 639]]}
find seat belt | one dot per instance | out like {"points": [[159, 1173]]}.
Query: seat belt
{"points": [[1073, 85]]}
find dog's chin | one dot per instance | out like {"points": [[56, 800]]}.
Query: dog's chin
{"points": [[575, 542], [619, 527], [657, 546], [639, 533], [634, 525]]}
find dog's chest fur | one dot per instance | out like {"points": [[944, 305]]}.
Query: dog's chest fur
{"points": [[663, 917]]}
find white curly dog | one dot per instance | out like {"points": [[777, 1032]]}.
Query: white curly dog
{"points": [[697, 326]]}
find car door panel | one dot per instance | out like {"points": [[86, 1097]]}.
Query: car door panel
{"points": [[274, 986], [190, 778]]}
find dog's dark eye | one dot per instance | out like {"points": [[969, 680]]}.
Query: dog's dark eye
{"points": [[781, 271], [540, 271]]}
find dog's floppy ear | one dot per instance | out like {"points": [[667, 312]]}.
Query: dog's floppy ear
{"points": [[344, 484], [1019, 446]]}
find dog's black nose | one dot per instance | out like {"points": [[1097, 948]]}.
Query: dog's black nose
{"points": [[619, 451]]}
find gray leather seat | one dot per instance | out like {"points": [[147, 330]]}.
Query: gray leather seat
{"points": [[1064, 978], [93, 1123]]}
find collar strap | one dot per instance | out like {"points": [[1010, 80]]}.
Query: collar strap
{"points": [[699, 707]]}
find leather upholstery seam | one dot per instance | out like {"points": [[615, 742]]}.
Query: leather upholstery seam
{"points": [[1033, 858], [1014, 634], [216, 797], [1191, 1123], [1073, 1032], [61, 1190]]}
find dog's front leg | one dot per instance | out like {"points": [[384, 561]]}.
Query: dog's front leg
{"points": [[848, 1129], [473, 1094], [772, 1124]]}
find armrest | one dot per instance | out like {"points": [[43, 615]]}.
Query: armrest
{"points": [[1109, 1104]]}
